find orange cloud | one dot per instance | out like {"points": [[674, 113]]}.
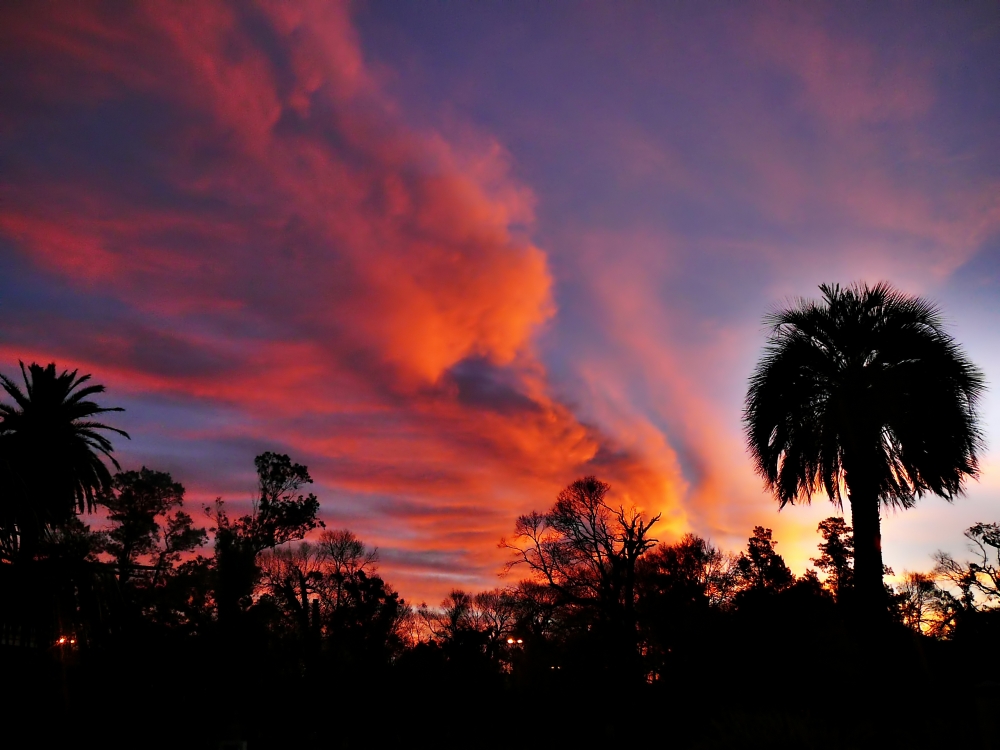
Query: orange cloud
{"points": [[287, 247]]}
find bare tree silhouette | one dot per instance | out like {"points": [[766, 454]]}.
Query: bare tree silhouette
{"points": [[589, 551], [978, 581]]}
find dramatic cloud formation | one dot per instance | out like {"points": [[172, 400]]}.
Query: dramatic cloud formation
{"points": [[454, 258], [696, 166], [277, 241]]}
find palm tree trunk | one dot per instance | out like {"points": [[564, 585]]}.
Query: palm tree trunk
{"points": [[869, 590]]}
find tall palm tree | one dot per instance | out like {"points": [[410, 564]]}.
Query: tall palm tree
{"points": [[863, 391], [51, 454]]}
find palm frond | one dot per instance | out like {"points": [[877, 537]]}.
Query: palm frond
{"points": [[870, 370], [55, 449]]}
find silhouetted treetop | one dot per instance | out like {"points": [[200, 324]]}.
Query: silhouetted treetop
{"points": [[863, 389], [51, 451], [692, 569], [977, 580], [868, 375], [582, 546], [348, 554], [761, 567], [837, 557], [280, 514], [148, 525]]}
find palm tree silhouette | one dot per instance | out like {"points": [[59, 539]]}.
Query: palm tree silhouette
{"points": [[50, 454], [863, 391]]}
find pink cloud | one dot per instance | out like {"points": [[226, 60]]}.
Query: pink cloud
{"points": [[333, 270], [843, 79]]}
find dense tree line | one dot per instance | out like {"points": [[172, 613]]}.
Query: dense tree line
{"points": [[265, 626], [251, 606]]}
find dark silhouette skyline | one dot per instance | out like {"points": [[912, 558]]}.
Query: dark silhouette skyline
{"points": [[280, 618]]}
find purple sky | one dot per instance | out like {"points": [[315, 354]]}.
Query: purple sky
{"points": [[454, 256]]}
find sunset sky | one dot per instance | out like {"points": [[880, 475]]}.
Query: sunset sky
{"points": [[453, 256]]}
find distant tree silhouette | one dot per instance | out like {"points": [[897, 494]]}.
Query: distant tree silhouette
{"points": [[51, 452], [476, 625], [683, 586], [837, 558], [468, 644], [537, 610], [925, 607], [454, 624], [863, 389], [369, 626], [346, 556], [330, 604], [280, 514], [78, 592], [454, 617], [761, 568], [293, 576], [691, 569], [495, 612]]}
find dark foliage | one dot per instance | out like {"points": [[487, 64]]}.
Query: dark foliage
{"points": [[866, 379], [51, 452], [761, 568], [864, 389], [587, 552], [837, 558], [279, 515], [128, 636]]}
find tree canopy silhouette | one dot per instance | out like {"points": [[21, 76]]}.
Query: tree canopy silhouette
{"points": [[280, 514], [148, 530], [51, 452], [980, 577], [588, 552], [583, 547], [282, 627], [837, 558], [864, 390], [761, 568]]}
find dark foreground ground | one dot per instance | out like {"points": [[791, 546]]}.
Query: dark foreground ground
{"points": [[922, 694]]}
